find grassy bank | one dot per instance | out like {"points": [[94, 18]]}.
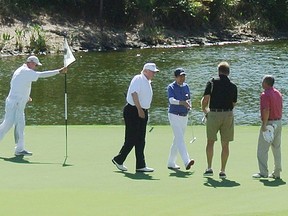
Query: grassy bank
{"points": [[91, 185]]}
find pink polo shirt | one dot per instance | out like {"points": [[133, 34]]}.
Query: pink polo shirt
{"points": [[272, 99]]}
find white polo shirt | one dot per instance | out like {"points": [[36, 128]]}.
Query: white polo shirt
{"points": [[142, 86]]}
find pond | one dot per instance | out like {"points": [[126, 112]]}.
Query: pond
{"points": [[97, 81]]}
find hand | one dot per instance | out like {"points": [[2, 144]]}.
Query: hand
{"points": [[63, 70], [205, 111], [141, 113], [263, 128], [185, 103]]}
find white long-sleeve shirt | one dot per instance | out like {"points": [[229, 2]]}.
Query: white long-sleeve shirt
{"points": [[20, 85]]}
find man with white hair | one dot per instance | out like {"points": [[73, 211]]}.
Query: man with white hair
{"points": [[19, 95], [139, 97]]}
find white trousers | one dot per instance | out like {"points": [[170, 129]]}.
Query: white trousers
{"points": [[178, 124], [14, 115]]}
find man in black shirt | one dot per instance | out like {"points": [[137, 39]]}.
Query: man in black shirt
{"points": [[219, 99]]}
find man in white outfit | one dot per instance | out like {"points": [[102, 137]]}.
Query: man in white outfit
{"points": [[19, 95], [179, 105]]}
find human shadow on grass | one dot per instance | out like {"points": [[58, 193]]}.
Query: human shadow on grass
{"points": [[273, 183], [180, 174], [138, 176], [220, 183], [21, 159]]}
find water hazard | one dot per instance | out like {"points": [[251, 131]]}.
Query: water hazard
{"points": [[97, 82]]}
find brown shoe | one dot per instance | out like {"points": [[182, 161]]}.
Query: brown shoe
{"points": [[188, 166]]}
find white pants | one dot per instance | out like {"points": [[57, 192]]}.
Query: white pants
{"points": [[14, 115], [178, 124]]}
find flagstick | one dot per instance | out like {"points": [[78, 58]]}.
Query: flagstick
{"points": [[66, 121], [68, 59]]}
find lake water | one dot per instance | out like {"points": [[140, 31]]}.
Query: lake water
{"points": [[97, 82]]}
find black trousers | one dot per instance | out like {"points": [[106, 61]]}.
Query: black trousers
{"points": [[135, 133]]}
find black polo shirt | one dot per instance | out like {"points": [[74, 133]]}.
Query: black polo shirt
{"points": [[223, 93]]}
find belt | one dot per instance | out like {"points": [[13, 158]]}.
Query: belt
{"points": [[220, 110], [277, 119], [146, 110], [180, 114]]}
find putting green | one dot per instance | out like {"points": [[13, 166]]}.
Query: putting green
{"points": [[90, 184]]}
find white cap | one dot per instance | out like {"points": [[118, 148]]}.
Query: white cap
{"points": [[269, 133], [151, 67], [34, 59]]}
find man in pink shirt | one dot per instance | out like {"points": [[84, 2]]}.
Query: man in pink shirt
{"points": [[271, 104]]}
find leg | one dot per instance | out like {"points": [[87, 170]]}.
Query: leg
{"points": [[9, 118], [178, 124], [262, 154], [130, 117], [180, 140], [227, 135], [276, 149], [224, 155], [19, 130], [212, 128], [172, 155], [209, 152], [140, 144]]}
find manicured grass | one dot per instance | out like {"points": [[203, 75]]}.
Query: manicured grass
{"points": [[91, 185]]}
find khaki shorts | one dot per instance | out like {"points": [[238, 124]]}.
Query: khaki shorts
{"points": [[220, 121]]}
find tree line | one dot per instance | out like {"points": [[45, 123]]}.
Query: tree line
{"points": [[263, 15]]}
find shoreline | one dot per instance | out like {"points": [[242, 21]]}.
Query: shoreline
{"points": [[85, 37]]}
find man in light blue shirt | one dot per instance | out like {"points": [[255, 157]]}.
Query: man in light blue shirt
{"points": [[179, 106]]}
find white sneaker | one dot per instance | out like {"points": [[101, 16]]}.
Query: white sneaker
{"points": [[145, 169], [272, 175], [189, 164], [258, 176], [119, 166], [175, 167], [23, 153]]}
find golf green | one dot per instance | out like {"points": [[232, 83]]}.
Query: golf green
{"points": [[89, 184]]}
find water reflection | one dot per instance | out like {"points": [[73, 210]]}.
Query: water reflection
{"points": [[97, 81]]}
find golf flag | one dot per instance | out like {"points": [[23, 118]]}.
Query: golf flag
{"points": [[68, 55], [68, 59]]}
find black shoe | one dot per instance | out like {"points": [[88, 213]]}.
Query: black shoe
{"points": [[222, 175], [208, 172]]}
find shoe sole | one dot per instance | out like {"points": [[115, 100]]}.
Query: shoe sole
{"points": [[191, 163], [274, 177], [144, 171], [174, 168], [22, 155], [259, 177]]}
